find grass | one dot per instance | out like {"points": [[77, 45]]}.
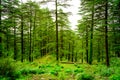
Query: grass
{"points": [[47, 69]]}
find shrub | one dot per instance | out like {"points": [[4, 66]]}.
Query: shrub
{"points": [[8, 70], [106, 72], [41, 71], [25, 71], [78, 70], [115, 77], [115, 62], [85, 76], [61, 76], [54, 72], [68, 71]]}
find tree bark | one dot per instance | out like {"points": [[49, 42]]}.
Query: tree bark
{"points": [[30, 52], [22, 40], [86, 44], [57, 50], [91, 35], [15, 44], [106, 33], [0, 31]]}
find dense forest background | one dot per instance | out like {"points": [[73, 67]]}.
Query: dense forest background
{"points": [[29, 33]]}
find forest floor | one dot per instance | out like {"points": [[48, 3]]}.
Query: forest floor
{"points": [[47, 69]]}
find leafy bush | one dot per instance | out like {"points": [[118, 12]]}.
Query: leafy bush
{"points": [[8, 70], [54, 72], [115, 62], [41, 71], [61, 76], [32, 71], [78, 70], [68, 71], [115, 77], [85, 76], [106, 72], [25, 71]]}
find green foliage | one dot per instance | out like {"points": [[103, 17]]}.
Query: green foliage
{"points": [[78, 70], [26, 71], [54, 72], [85, 76], [41, 71], [68, 71], [8, 69], [115, 77], [115, 62], [106, 72]]}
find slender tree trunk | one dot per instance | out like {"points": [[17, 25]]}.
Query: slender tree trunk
{"points": [[69, 53], [7, 42], [57, 51], [22, 39], [86, 44], [76, 57], [91, 36], [106, 33], [30, 53], [73, 51], [86, 50], [0, 30], [61, 38], [15, 44], [34, 26], [98, 51], [119, 28]]}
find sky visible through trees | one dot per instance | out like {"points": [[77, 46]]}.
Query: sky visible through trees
{"points": [[60, 40], [74, 8]]}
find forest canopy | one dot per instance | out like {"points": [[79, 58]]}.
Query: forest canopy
{"points": [[31, 35]]}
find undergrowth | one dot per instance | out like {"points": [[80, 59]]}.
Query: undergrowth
{"points": [[14, 70]]}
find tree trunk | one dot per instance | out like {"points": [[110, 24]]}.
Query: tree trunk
{"points": [[15, 44], [73, 51], [34, 26], [7, 41], [61, 45], [106, 33], [86, 44], [0, 31], [91, 36], [98, 51], [69, 53], [86, 53], [30, 53], [22, 42], [57, 51]]}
